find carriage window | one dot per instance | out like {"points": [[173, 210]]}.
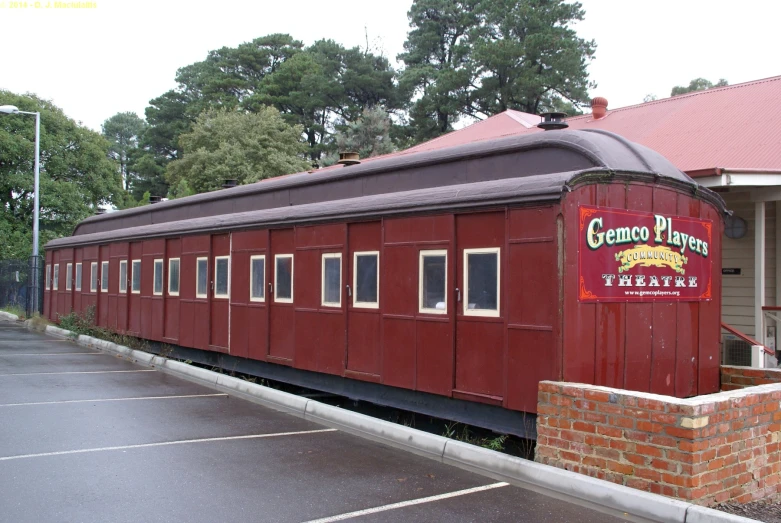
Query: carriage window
{"points": [[257, 278], [68, 276], [433, 277], [481, 282], [221, 276], [283, 278], [332, 280], [135, 276], [56, 284], [78, 276], [158, 281], [122, 275], [201, 277], [173, 277], [104, 276], [366, 279], [48, 277], [93, 277]]}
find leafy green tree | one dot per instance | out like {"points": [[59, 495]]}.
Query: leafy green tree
{"points": [[369, 135], [247, 147], [123, 131], [76, 174], [698, 84]]}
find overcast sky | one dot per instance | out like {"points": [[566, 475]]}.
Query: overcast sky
{"points": [[96, 62]]}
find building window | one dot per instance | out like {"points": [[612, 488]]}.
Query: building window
{"points": [[283, 278], [78, 276], [433, 278], [104, 276], [93, 277], [122, 275], [157, 289], [56, 284], [221, 276], [481, 282], [201, 277], [68, 276], [366, 279], [135, 277], [173, 277], [48, 277], [332, 279], [257, 278]]}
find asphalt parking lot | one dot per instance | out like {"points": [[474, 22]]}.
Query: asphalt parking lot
{"points": [[89, 437]]}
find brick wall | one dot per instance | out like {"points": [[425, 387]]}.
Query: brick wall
{"points": [[707, 450], [733, 378]]}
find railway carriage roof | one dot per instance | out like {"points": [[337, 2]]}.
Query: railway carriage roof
{"points": [[516, 168]]}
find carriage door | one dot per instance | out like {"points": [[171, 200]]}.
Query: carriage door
{"points": [[281, 296], [363, 300], [219, 292], [480, 242]]}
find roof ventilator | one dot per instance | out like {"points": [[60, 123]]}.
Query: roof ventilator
{"points": [[155, 199], [227, 184], [349, 158], [553, 121]]}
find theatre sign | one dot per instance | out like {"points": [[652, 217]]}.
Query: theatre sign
{"points": [[637, 256]]}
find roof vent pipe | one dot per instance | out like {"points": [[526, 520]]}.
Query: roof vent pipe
{"points": [[155, 199], [227, 184], [598, 107], [552, 121], [349, 158], [99, 211]]}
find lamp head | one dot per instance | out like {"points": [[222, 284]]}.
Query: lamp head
{"points": [[9, 109]]}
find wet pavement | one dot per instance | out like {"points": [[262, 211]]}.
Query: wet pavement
{"points": [[89, 437]]}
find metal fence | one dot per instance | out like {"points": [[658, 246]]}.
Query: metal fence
{"points": [[21, 284]]}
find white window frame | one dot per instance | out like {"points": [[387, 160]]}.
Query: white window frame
{"points": [[154, 276], [48, 277], [179, 275], [56, 284], [79, 275], [198, 276], [423, 254], [103, 284], [93, 277], [225, 296], [277, 299], [122, 284], [252, 277], [365, 304], [68, 276], [330, 256], [132, 271], [483, 312]]}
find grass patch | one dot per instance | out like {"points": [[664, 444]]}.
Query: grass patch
{"points": [[84, 324], [14, 309]]}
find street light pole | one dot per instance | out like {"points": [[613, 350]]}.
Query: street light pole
{"points": [[35, 284]]}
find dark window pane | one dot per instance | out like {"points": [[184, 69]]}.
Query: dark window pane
{"points": [[258, 268], [285, 278], [366, 278], [78, 276], [173, 276], [123, 276], [221, 279], [332, 280], [203, 277], [433, 282], [93, 274], [136, 275], [158, 289], [104, 276], [482, 291]]}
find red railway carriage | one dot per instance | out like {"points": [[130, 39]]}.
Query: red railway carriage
{"points": [[447, 282]]}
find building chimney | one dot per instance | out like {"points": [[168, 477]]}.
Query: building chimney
{"points": [[227, 184], [155, 199], [552, 121], [349, 158], [99, 211], [598, 107]]}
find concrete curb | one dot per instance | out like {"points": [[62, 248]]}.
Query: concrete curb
{"points": [[7, 316], [542, 478]]}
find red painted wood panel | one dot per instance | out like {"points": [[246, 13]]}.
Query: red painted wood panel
{"points": [[434, 365], [77, 258], [219, 308], [363, 324], [54, 291], [398, 355], [249, 326], [282, 316], [103, 296], [152, 312], [47, 284], [527, 366], [118, 300], [194, 311], [708, 378], [134, 298], [173, 249], [688, 324]]}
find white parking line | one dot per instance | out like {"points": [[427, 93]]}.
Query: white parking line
{"points": [[76, 372], [3, 354], [164, 443], [112, 399], [402, 504]]}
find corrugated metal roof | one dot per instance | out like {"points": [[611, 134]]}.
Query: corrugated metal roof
{"points": [[734, 127]]}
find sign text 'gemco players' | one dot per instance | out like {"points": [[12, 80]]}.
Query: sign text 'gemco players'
{"points": [[639, 256]]}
